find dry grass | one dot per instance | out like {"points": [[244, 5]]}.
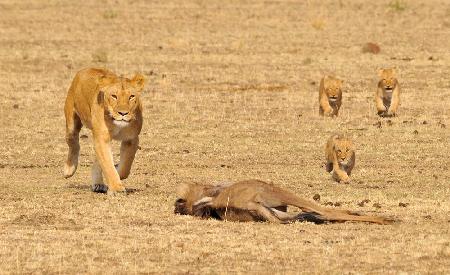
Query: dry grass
{"points": [[232, 94]]}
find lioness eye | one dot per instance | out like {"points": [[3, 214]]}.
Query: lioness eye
{"points": [[131, 97], [114, 96]]}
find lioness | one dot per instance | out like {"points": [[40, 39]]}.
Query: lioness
{"points": [[109, 105], [330, 96], [255, 200], [340, 157], [387, 96]]}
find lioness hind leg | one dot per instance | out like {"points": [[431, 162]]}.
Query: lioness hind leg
{"points": [[97, 179], [73, 127]]}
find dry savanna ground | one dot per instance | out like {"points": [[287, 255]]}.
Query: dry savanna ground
{"points": [[232, 94]]}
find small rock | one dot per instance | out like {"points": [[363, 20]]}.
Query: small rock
{"points": [[186, 151], [402, 204], [316, 197], [16, 106], [329, 203], [371, 48], [376, 205], [424, 122], [427, 217], [415, 132], [337, 204], [312, 82]]}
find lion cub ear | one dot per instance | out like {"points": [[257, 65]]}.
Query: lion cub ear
{"points": [[138, 81]]}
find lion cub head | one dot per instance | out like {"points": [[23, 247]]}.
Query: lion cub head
{"points": [[343, 147], [121, 97], [388, 79], [333, 88]]}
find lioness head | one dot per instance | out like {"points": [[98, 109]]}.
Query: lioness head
{"points": [[120, 97], [388, 79], [333, 88], [344, 149]]}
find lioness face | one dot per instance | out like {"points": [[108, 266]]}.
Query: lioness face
{"points": [[122, 98], [333, 89], [344, 150], [387, 77]]}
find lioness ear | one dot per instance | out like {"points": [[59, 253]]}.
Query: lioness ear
{"points": [[104, 80], [380, 72], [182, 190], [138, 81]]}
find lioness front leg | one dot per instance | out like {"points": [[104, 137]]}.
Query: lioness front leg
{"points": [[128, 150], [105, 159], [98, 185]]}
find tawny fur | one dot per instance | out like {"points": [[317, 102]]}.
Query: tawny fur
{"points": [[330, 96], [340, 157], [387, 96], [110, 106], [254, 200]]}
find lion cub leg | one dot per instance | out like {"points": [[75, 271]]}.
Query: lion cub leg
{"points": [[381, 109], [395, 102], [339, 174], [73, 127], [105, 159], [128, 150]]}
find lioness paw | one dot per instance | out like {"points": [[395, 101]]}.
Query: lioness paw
{"points": [[99, 188]]}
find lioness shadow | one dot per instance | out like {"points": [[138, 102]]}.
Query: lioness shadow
{"points": [[88, 188]]}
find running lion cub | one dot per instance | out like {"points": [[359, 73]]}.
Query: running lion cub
{"points": [[340, 157], [255, 200], [110, 106], [330, 96], [387, 97]]}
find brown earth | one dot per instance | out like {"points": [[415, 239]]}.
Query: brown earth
{"points": [[232, 94]]}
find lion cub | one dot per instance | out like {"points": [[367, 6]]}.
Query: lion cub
{"points": [[110, 106], [340, 157], [387, 97], [330, 96]]}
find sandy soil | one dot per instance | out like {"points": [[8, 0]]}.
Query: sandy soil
{"points": [[232, 94]]}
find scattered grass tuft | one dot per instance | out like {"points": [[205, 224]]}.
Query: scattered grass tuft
{"points": [[318, 23], [100, 55], [397, 5], [110, 14]]}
